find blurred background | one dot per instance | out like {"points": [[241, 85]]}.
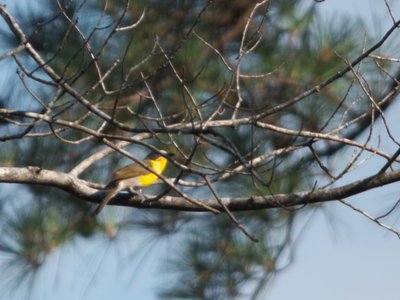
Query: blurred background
{"points": [[326, 251]]}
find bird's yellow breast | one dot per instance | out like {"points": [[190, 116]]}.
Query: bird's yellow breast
{"points": [[158, 165]]}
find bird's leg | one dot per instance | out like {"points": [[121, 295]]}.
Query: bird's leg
{"points": [[138, 192]]}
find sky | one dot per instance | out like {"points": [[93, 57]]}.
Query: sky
{"points": [[340, 254], [343, 255]]}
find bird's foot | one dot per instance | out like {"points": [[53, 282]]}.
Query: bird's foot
{"points": [[138, 192]]}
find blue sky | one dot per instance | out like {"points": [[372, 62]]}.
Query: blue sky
{"points": [[343, 255]]}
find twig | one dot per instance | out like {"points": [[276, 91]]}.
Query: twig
{"points": [[368, 216], [229, 213]]}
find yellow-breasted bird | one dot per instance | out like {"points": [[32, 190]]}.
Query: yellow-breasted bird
{"points": [[134, 176]]}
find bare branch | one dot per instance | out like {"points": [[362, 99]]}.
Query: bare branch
{"points": [[82, 189]]}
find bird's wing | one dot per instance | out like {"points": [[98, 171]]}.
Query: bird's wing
{"points": [[129, 172]]}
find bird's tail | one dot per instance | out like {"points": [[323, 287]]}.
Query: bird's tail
{"points": [[111, 193]]}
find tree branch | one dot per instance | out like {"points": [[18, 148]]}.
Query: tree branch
{"points": [[83, 190]]}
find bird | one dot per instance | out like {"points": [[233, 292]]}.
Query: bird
{"points": [[134, 176]]}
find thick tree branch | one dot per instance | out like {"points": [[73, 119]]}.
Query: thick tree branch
{"points": [[82, 189]]}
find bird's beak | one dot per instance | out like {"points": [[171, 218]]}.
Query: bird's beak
{"points": [[167, 154]]}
